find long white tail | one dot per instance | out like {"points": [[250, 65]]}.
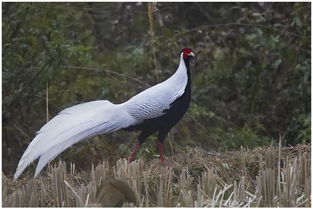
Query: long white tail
{"points": [[70, 126]]}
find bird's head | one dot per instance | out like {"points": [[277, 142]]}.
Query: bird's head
{"points": [[187, 53]]}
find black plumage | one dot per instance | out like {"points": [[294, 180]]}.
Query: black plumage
{"points": [[164, 123]]}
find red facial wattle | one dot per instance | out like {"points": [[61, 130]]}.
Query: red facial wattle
{"points": [[187, 52]]}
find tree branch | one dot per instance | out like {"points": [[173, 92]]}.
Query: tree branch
{"points": [[97, 70]]}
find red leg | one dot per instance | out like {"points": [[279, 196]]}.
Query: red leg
{"points": [[133, 153], [161, 150]]}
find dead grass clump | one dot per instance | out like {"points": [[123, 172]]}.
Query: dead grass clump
{"points": [[262, 177]]}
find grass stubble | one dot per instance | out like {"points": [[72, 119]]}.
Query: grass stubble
{"points": [[260, 177]]}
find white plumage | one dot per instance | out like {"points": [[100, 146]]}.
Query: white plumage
{"points": [[81, 121]]}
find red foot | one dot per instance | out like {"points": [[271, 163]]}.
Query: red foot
{"points": [[133, 153], [130, 159], [161, 150]]}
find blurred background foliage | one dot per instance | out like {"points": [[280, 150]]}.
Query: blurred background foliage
{"points": [[251, 77]]}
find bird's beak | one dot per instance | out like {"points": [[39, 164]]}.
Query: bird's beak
{"points": [[191, 54]]}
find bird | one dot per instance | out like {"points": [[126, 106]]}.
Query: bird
{"points": [[156, 109], [112, 192]]}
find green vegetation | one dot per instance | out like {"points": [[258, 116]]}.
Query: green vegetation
{"points": [[251, 78]]}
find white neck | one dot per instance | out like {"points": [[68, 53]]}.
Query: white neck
{"points": [[181, 72]]}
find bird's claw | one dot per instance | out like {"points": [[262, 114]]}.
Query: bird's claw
{"points": [[131, 159]]}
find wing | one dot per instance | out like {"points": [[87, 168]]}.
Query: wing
{"points": [[152, 102]]}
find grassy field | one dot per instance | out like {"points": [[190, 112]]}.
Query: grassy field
{"points": [[260, 177]]}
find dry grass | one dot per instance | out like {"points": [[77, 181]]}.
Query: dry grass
{"points": [[264, 177]]}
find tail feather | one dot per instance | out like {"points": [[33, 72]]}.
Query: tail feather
{"points": [[71, 126], [53, 152]]}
